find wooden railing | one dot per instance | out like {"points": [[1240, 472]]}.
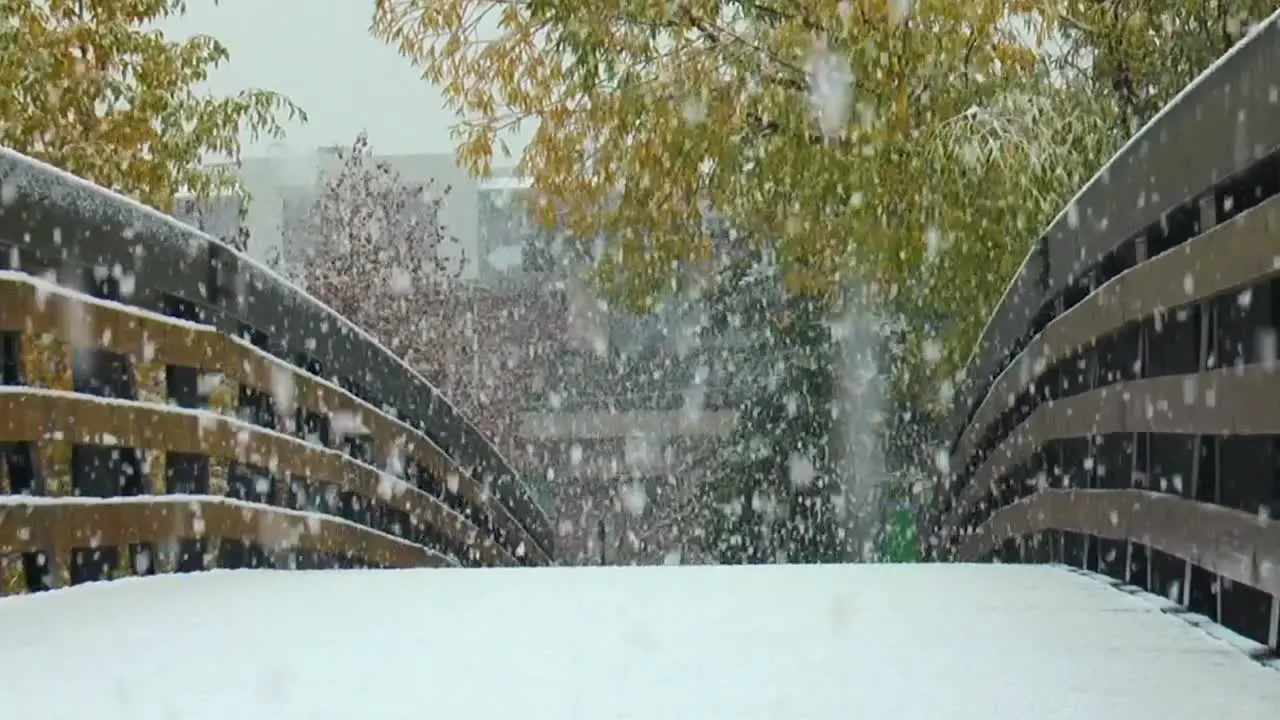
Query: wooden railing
{"points": [[1122, 410], [166, 404]]}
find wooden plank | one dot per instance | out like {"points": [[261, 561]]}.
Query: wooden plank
{"points": [[40, 524], [153, 339], [86, 419], [1236, 545], [1232, 255], [1227, 401]]}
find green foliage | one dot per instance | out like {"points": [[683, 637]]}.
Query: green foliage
{"points": [[651, 111], [1138, 55], [873, 143], [896, 540], [772, 492], [91, 89]]}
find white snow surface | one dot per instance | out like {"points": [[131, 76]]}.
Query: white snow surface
{"points": [[665, 643]]}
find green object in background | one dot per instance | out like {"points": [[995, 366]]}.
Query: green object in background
{"points": [[898, 539], [539, 490]]}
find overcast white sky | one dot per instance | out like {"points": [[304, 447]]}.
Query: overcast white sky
{"points": [[322, 56]]}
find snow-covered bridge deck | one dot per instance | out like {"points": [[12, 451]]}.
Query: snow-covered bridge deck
{"points": [[902, 642]]}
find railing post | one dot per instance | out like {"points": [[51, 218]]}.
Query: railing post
{"points": [[1273, 634], [1138, 464], [1207, 360]]}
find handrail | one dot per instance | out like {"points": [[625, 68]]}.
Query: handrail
{"points": [[1240, 546], [1227, 257], [30, 414], [34, 306], [55, 527], [124, 432], [142, 240], [1229, 111], [1230, 255], [1123, 405]]}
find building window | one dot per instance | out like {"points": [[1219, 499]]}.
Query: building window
{"points": [[510, 240], [298, 237]]}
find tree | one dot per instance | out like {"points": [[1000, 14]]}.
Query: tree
{"points": [[514, 331], [773, 492], [913, 151], [1011, 164], [800, 121], [1138, 55], [91, 89], [918, 147], [376, 253], [1014, 160]]}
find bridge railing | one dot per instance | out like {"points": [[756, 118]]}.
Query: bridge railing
{"points": [[1123, 406], [167, 404]]}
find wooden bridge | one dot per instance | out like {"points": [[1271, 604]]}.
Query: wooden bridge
{"points": [[168, 405], [1123, 406]]}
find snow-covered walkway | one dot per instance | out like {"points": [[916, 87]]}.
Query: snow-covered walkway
{"points": [[935, 642]]}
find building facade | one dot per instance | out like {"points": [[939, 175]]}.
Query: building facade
{"points": [[482, 216]]}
